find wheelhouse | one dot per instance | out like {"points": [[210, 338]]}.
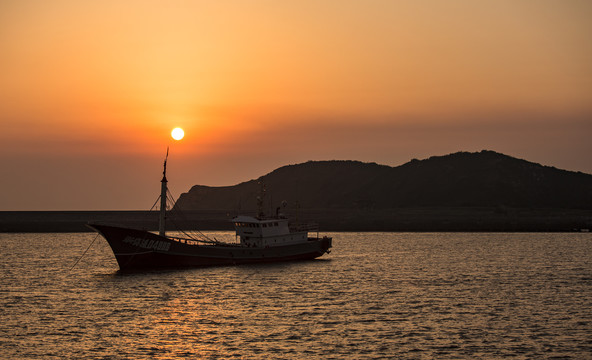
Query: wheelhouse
{"points": [[266, 232]]}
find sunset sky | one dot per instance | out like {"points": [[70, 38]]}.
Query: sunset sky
{"points": [[90, 90]]}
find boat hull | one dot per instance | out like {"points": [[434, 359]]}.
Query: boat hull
{"points": [[138, 249]]}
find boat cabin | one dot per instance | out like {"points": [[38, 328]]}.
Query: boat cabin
{"points": [[267, 232]]}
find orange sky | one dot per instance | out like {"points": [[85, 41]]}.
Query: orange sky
{"points": [[89, 90]]}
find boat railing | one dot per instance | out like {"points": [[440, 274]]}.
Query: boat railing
{"points": [[199, 242], [300, 227]]}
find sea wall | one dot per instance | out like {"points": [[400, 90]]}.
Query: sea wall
{"points": [[397, 219]]}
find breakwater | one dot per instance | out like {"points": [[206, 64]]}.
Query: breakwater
{"points": [[396, 219]]}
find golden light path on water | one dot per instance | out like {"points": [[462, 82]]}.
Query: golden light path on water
{"points": [[377, 295]]}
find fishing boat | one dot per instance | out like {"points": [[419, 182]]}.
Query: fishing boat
{"points": [[259, 238]]}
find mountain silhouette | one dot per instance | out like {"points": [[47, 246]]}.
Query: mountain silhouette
{"points": [[463, 179], [484, 191]]}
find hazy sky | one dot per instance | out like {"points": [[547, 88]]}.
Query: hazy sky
{"points": [[90, 90]]}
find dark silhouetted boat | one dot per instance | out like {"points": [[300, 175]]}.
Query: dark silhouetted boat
{"points": [[260, 239]]}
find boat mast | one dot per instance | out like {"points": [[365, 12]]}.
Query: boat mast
{"points": [[163, 199]]}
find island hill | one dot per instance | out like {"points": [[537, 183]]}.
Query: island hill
{"points": [[483, 191]]}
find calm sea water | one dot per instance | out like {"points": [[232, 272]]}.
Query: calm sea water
{"points": [[377, 295]]}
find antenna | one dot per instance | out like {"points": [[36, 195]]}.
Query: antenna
{"points": [[165, 161], [163, 199]]}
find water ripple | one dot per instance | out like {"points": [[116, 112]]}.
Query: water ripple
{"points": [[378, 295]]}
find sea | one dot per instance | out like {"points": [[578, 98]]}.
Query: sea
{"points": [[377, 295]]}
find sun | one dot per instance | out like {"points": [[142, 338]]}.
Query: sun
{"points": [[177, 133]]}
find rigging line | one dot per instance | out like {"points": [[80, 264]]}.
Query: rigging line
{"points": [[172, 205], [198, 233], [156, 202], [174, 213], [181, 216], [171, 198], [147, 215], [80, 258], [187, 234], [198, 236]]}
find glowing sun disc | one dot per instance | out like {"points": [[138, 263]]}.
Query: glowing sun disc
{"points": [[177, 133]]}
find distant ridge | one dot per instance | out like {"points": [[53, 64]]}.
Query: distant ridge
{"points": [[484, 191], [463, 179]]}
